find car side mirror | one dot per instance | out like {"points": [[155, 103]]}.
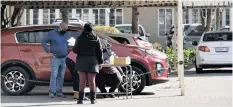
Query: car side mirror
{"points": [[194, 43], [122, 31], [148, 35]]}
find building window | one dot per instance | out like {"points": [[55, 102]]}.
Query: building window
{"points": [[48, 16], [82, 14], [69, 13], [85, 15], [185, 16], [119, 16], [95, 17], [45, 16], [35, 16], [98, 16], [227, 17], [102, 17], [165, 21], [115, 17], [27, 17], [52, 15], [195, 15], [79, 14]]}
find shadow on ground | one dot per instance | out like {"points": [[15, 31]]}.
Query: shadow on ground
{"points": [[42, 97], [46, 101], [205, 73]]}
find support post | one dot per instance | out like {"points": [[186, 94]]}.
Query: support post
{"points": [[180, 46], [231, 16]]}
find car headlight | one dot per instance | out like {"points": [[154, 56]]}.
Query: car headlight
{"points": [[154, 52], [149, 51]]}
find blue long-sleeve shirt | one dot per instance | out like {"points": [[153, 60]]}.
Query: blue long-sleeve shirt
{"points": [[58, 43]]}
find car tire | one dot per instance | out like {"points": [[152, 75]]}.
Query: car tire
{"points": [[142, 85], [198, 70], [9, 80]]}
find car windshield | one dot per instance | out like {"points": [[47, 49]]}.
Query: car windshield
{"points": [[193, 30], [124, 29], [217, 37]]}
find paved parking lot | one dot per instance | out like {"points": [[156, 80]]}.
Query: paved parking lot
{"points": [[210, 89]]}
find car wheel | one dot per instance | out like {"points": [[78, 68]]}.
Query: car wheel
{"points": [[15, 81], [198, 70], [138, 82]]}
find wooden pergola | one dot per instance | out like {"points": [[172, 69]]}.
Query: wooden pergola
{"points": [[45, 4], [180, 4]]}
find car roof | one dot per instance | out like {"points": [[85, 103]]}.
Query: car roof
{"points": [[193, 24], [219, 32], [41, 25]]}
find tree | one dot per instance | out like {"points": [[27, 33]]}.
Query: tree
{"points": [[218, 18], [4, 18], [16, 16], [135, 14], [12, 20], [64, 13], [206, 19]]}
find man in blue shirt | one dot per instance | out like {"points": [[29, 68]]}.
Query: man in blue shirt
{"points": [[58, 51]]}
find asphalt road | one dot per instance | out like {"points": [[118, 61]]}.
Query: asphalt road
{"points": [[213, 88]]}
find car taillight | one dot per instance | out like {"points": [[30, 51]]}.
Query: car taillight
{"points": [[204, 48]]}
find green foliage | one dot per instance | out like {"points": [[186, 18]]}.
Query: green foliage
{"points": [[189, 54], [106, 29], [157, 46]]}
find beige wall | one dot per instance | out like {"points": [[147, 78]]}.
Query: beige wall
{"points": [[148, 18]]}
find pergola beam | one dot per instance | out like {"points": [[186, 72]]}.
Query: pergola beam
{"points": [[88, 4]]}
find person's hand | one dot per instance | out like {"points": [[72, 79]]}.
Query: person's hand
{"points": [[52, 55], [100, 66]]}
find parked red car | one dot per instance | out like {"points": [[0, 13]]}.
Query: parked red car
{"points": [[23, 59]]}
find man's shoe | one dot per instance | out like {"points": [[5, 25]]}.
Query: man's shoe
{"points": [[51, 95], [61, 95], [76, 94]]}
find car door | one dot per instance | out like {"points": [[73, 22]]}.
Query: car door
{"points": [[31, 51]]}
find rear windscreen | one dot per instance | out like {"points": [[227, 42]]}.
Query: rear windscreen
{"points": [[217, 37]]}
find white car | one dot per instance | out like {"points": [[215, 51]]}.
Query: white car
{"points": [[127, 28], [75, 22], [214, 50]]}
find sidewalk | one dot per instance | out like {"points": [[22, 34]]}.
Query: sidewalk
{"points": [[201, 90]]}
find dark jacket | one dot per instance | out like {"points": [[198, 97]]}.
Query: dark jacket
{"points": [[58, 43], [89, 53]]}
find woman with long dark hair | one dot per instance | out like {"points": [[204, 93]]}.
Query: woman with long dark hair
{"points": [[88, 61]]}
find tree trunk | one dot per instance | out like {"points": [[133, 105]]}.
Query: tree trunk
{"points": [[16, 16], [208, 22], [218, 18], [206, 19], [18, 21], [203, 17], [135, 14], [64, 13], [4, 20]]}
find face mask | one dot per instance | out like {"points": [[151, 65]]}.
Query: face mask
{"points": [[62, 32]]}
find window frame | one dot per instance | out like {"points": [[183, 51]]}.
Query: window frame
{"points": [[164, 18], [17, 42], [115, 17]]}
